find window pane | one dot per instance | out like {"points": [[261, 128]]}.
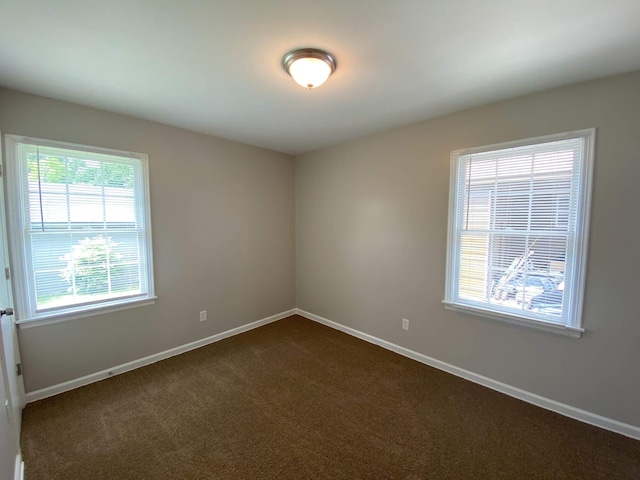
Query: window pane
{"points": [[73, 268]]}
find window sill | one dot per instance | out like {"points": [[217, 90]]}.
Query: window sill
{"points": [[515, 320], [82, 312]]}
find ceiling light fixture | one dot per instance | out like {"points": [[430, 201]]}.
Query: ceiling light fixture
{"points": [[309, 67]]}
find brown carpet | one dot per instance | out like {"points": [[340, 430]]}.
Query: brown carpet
{"points": [[297, 400]]}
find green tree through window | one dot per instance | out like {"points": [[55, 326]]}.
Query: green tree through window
{"points": [[91, 265], [52, 169]]}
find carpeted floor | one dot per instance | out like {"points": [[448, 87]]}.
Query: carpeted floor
{"points": [[297, 400]]}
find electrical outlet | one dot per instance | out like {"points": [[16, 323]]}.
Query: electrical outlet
{"points": [[405, 324], [203, 315]]}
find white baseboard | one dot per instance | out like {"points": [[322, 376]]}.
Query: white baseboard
{"points": [[561, 408], [125, 367], [19, 468]]}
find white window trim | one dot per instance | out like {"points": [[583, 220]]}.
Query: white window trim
{"points": [[15, 214], [574, 327]]}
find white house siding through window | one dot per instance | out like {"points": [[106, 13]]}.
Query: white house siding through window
{"points": [[83, 242]]}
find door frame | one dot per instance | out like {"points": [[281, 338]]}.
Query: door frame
{"points": [[9, 328]]}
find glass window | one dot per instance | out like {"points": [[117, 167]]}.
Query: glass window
{"points": [[518, 227], [80, 225]]}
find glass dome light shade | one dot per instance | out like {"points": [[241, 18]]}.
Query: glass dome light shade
{"points": [[309, 67], [310, 72]]}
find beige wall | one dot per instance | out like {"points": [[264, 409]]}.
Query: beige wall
{"points": [[371, 224], [223, 239]]}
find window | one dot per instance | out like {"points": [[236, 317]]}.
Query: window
{"points": [[518, 227], [80, 228]]}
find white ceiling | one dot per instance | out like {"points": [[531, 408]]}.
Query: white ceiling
{"points": [[213, 66]]}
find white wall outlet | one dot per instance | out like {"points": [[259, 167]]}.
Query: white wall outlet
{"points": [[203, 315], [405, 324]]}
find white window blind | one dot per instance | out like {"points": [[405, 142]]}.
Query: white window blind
{"points": [[518, 228], [83, 227]]}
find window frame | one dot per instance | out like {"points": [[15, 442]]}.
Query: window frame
{"points": [[16, 211], [573, 326]]}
